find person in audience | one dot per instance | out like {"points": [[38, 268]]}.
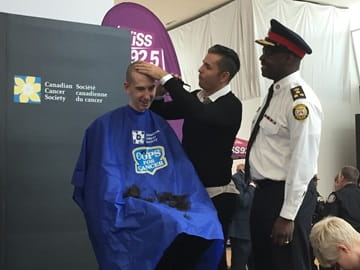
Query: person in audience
{"points": [[336, 244], [281, 157], [142, 199], [239, 231], [344, 202], [212, 118]]}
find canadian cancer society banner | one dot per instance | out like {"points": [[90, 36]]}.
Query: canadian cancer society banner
{"points": [[56, 77], [150, 40]]}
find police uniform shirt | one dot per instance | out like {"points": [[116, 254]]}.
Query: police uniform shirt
{"points": [[286, 147]]}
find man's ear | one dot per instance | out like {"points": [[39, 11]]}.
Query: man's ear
{"points": [[292, 58], [342, 180], [343, 248], [225, 76], [126, 86]]}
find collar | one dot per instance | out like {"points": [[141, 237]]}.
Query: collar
{"points": [[219, 93], [349, 184], [284, 82]]}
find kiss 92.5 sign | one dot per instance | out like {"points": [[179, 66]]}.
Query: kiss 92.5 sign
{"points": [[143, 49], [150, 40]]}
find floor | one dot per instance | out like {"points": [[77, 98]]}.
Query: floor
{"points": [[228, 257]]}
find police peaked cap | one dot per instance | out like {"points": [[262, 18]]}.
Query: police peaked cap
{"points": [[280, 35]]}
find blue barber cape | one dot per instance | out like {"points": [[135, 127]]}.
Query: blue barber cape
{"points": [[126, 147]]}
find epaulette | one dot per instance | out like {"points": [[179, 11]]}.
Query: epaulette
{"points": [[297, 92]]}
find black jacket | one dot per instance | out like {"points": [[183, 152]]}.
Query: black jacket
{"points": [[345, 203], [209, 130]]}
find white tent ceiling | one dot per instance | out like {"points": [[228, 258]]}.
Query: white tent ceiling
{"points": [[173, 13]]}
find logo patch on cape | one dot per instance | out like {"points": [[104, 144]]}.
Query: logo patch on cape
{"points": [[297, 92], [300, 111], [138, 136], [149, 159]]}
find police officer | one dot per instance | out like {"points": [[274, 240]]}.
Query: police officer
{"points": [[344, 202], [282, 156]]}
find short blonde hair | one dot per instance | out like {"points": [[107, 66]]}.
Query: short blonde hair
{"points": [[131, 69], [327, 234]]}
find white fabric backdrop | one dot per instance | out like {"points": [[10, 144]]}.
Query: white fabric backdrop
{"points": [[239, 23], [330, 69], [230, 26]]}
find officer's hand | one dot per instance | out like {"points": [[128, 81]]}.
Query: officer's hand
{"points": [[150, 69], [282, 232]]}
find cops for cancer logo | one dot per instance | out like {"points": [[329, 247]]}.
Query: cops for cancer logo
{"points": [[149, 159]]}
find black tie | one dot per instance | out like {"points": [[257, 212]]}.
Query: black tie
{"points": [[255, 132]]}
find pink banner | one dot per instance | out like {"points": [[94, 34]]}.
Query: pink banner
{"points": [[239, 148], [150, 40]]}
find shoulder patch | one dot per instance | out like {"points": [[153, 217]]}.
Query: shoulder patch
{"points": [[300, 111], [297, 92], [331, 198]]}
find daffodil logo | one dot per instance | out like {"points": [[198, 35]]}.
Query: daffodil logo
{"points": [[27, 89]]}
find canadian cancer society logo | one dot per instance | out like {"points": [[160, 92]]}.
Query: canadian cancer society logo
{"points": [[27, 89]]}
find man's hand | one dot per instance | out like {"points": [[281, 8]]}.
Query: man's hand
{"points": [[149, 69], [282, 232], [160, 90]]}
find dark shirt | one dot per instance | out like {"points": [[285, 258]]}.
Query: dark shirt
{"points": [[319, 209], [345, 203], [209, 130]]}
